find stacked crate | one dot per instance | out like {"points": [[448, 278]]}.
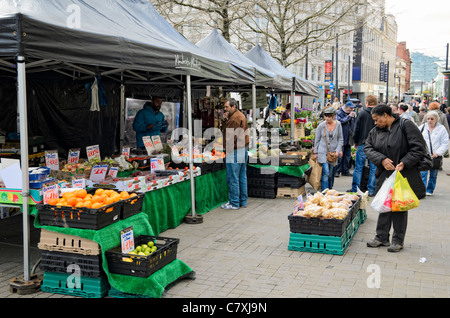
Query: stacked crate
{"points": [[261, 183], [290, 186], [72, 265]]}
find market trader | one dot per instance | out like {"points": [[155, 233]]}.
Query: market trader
{"points": [[149, 121]]}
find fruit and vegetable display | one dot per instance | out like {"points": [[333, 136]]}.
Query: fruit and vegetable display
{"points": [[144, 249], [330, 205], [82, 199]]}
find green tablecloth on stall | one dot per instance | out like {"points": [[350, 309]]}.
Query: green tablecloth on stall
{"points": [[296, 171], [109, 237], [167, 207]]}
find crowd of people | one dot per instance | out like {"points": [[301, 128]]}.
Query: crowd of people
{"points": [[386, 138]]}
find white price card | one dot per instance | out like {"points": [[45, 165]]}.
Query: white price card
{"points": [[154, 164], [148, 144], [79, 183], [52, 160], [127, 240], [98, 172], [93, 152], [73, 156], [157, 144], [50, 192], [126, 151], [113, 172]]}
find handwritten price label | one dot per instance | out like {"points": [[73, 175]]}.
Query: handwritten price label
{"points": [[73, 156], [157, 144], [98, 172], [127, 240], [126, 151], [148, 144], [52, 160], [154, 164], [93, 152], [113, 172], [79, 183], [50, 192]]}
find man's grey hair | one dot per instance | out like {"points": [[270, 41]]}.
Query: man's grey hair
{"points": [[232, 101]]}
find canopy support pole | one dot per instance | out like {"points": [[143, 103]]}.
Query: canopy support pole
{"points": [[122, 113], [22, 108], [193, 218], [27, 283], [293, 111], [254, 143]]}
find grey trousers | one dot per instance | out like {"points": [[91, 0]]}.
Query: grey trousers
{"points": [[398, 220]]}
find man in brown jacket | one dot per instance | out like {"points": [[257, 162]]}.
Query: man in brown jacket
{"points": [[236, 137]]}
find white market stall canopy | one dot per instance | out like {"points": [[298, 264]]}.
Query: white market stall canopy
{"points": [[259, 56]]}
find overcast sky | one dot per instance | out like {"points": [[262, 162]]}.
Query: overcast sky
{"points": [[423, 24]]}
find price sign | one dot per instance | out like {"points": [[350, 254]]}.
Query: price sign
{"points": [[154, 164], [50, 192], [157, 144], [126, 151], [93, 152], [148, 144], [127, 240], [73, 156], [52, 160], [79, 183], [98, 172], [113, 172], [161, 165]]}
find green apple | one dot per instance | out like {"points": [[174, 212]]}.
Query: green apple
{"points": [[154, 248], [144, 247], [138, 249], [150, 243]]}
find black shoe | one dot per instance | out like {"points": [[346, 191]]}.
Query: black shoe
{"points": [[376, 243], [347, 175], [350, 190], [336, 175]]}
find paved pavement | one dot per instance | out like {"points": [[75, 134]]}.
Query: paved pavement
{"points": [[243, 254]]}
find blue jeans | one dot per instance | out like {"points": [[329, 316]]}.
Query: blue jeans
{"points": [[236, 172], [360, 160], [327, 180], [431, 181]]}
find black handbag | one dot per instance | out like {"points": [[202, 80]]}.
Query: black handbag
{"points": [[436, 161]]}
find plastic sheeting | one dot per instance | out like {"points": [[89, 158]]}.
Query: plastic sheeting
{"points": [[259, 56], [125, 34]]}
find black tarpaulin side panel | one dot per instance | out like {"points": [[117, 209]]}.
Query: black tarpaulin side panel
{"points": [[60, 112]]}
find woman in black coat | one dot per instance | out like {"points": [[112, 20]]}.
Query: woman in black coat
{"points": [[394, 146]]}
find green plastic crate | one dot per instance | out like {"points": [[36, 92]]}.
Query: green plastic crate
{"points": [[90, 287], [335, 245]]}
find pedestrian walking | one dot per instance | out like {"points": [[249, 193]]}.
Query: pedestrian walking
{"points": [[394, 144], [442, 118], [363, 125], [328, 138], [436, 137], [346, 116], [236, 140], [403, 111], [422, 113]]}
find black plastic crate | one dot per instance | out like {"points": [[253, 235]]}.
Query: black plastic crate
{"points": [[80, 218], [59, 262], [270, 193], [293, 160], [287, 181], [261, 172], [132, 205], [266, 183], [318, 226], [140, 265]]}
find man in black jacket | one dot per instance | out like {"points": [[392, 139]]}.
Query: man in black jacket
{"points": [[364, 124], [391, 147]]}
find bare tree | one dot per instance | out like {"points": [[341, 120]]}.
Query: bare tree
{"points": [[287, 27], [219, 14]]}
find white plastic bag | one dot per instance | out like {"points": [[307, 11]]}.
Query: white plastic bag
{"points": [[382, 202]]}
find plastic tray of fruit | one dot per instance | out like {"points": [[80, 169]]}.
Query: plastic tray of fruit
{"points": [[150, 255], [132, 205], [82, 209]]}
